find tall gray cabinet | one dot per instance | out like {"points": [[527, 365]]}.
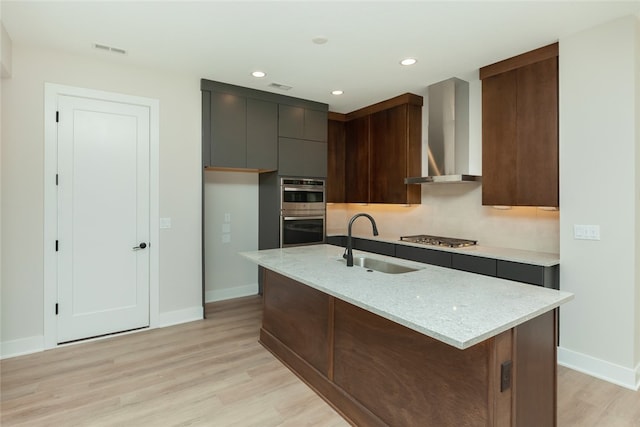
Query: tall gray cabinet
{"points": [[273, 134]]}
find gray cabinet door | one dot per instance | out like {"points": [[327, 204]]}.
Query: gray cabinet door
{"points": [[297, 157], [228, 130], [290, 121], [262, 134], [315, 125], [474, 264], [302, 123]]}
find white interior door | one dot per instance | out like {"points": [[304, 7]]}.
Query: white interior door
{"points": [[103, 217]]}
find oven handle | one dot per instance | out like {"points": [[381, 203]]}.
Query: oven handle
{"points": [[293, 218], [305, 188]]}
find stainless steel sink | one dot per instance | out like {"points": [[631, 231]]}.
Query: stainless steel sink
{"points": [[380, 265]]}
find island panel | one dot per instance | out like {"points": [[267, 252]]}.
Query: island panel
{"points": [[409, 379], [299, 316]]}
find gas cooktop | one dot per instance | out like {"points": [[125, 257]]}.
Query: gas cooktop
{"points": [[449, 242]]}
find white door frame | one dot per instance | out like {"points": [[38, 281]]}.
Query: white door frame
{"points": [[51, 93]]}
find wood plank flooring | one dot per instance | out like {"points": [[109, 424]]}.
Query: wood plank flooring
{"points": [[214, 373]]}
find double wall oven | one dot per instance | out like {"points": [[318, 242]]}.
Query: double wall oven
{"points": [[302, 211]]}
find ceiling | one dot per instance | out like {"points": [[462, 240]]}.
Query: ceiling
{"points": [[227, 40]]}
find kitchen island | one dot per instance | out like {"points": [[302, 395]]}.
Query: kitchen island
{"points": [[433, 346]]}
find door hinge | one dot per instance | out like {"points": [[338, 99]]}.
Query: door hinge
{"points": [[56, 246], [56, 309], [56, 179], [57, 116]]}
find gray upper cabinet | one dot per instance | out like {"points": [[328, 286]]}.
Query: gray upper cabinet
{"points": [[262, 134], [302, 123], [244, 132], [244, 128], [228, 130], [299, 157]]}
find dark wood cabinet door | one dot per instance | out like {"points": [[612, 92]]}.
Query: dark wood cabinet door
{"points": [[499, 143], [262, 135], [388, 155], [520, 130], [357, 160], [335, 184], [228, 130], [537, 134]]}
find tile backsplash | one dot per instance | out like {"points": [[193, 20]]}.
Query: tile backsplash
{"points": [[455, 210]]}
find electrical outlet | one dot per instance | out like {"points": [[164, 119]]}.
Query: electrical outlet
{"points": [[226, 228], [226, 238], [227, 217]]}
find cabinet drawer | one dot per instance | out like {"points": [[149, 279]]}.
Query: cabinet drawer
{"points": [[474, 264], [337, 240], [531, 274], [375, 247], [525, 273], [428, 256]]}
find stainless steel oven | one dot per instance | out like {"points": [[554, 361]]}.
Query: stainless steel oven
{"points": [[302, 211]]}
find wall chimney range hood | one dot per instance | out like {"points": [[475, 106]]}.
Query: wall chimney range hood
{"points": [[448, 155]]}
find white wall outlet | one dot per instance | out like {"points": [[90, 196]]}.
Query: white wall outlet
{"points": [[586, 232], [226, 238], [227, 217], [165, 222], [226, 228]]}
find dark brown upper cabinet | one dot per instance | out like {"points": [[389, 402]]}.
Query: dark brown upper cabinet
{"points": [[382, 147], [336, 138], [520, 130]]}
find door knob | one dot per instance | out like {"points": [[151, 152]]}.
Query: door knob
{"points": [[140, 246]]}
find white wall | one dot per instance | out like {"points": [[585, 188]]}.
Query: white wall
{"points": [[231, 212], [2, 43], [22, 180], [599, 170], [6, 53]]}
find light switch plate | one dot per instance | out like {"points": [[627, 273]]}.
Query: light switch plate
{"points": [[226, 238], [227, 217], [165, 222], [586, 232]]}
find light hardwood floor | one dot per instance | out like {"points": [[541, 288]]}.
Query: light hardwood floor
{"points": [[214, 373]]}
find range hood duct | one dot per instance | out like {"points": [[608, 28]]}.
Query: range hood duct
{"points": [[448, 154]]}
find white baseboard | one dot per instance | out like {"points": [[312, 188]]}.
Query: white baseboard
{"points": [[616, 374], [21, 346], [177, 317], [35, 344], [230, 293]]}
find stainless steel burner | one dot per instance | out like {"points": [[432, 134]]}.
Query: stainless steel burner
{"points": [[449, 242]]}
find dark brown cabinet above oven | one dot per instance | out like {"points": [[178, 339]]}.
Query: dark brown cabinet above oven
{"points": [[373, 149]]}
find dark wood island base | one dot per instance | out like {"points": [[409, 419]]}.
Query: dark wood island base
{"points": [[376, 372]]}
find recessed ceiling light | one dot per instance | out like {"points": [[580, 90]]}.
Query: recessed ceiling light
{"points": [[320, 40], [336, 92], [408, 61], [258, 74]]}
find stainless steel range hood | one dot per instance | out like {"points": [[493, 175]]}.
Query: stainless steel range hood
{"points": [[448, 134]]}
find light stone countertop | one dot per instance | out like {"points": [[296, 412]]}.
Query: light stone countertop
{"points": [[543, 259], [455, 307]]}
